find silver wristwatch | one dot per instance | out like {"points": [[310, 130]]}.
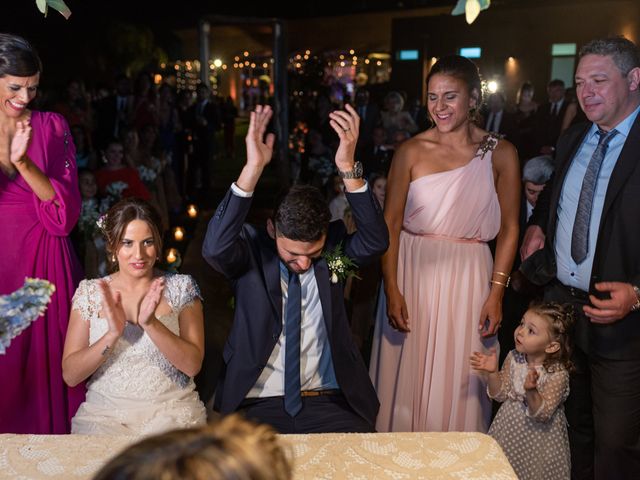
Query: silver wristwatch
{"points": [[355, 173], [636, 306]]}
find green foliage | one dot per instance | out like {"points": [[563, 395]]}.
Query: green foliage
{"points": [[134, 47]]}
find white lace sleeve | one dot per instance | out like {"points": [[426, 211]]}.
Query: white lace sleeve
{"points": [[87, 299], [182, 291]]}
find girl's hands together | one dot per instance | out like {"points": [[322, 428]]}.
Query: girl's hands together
{"points": [[531, 382]]}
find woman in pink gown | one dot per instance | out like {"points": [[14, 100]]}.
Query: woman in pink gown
{"points": [[39, 205], [450, 190]]}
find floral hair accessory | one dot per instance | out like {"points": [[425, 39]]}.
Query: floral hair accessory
{"points": [[340, 265], [102, 222]]}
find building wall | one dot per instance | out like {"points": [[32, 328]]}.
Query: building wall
{"points": [[523, 29]]}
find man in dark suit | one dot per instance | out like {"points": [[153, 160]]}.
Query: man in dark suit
{"points": [[499, 120], [113, 113], [369, 114], [548, 121], [290, 360], [204, 120], [590, 257]]}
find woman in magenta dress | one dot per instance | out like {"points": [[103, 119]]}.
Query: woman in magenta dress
{"points": [[39, 205]]}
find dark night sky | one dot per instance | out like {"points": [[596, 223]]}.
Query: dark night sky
{"points": [[75, 47]]}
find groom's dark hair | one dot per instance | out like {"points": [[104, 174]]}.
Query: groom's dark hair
{"points": [[302, 214]]}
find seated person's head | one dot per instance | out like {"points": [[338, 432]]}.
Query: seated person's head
{"points": [[234, 449], [299, 227], [378, 184], [128, 222], [536, 172], [88, 185], [113, 154]]}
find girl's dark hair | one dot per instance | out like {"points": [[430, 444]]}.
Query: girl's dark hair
{"points": [[17, 57], [123, 213], [560, 318], [461, 68]]}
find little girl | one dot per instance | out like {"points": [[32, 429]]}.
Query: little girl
{"points": [[531, 426]]}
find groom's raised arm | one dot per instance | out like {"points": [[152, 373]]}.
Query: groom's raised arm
{"points": [[371, 238], [224, 247]]}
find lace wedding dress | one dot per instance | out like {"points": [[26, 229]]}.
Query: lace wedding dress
{"points": [[136, 391]]}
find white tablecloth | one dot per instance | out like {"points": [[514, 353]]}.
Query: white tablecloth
{"points": [[369, 456]]}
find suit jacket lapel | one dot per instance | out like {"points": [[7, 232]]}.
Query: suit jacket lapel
{"points": [[321, 270], [271, 273], [625, 165]]}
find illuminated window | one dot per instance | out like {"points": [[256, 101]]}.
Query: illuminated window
{"points": [[563, 62], [563, 49], [407, 55], [471, 52]]}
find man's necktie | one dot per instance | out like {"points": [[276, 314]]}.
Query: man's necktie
{"points": [[292, 398], [580, 235], [554, 109]]}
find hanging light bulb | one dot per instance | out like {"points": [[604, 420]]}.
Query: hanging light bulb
{"points": [[471, 8]]}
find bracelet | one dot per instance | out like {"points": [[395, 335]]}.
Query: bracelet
{"points": [[505, 285], [106, 350], [502, 274]]}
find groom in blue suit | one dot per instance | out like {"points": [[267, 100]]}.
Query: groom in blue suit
{"points": [[290, 360]]}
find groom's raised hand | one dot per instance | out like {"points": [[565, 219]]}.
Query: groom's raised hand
{"points": [[259, 148]]}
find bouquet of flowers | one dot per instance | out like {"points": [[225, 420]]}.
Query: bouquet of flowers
{"points": [[20, 308], [147, 174], [115, 189]]}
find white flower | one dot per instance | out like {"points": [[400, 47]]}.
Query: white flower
{"points": [[334, 278]]}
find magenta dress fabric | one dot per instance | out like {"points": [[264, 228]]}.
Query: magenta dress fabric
{"points": [[34, 242]]}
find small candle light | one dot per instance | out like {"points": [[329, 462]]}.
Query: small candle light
{"points": [[172, 256], [192, 211], [178, 233]]}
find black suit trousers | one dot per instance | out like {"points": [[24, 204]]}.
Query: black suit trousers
{"points": [[603, 409]]}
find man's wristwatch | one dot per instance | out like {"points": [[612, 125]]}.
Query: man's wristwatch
{"points": [[636, 306], [355, 173]]}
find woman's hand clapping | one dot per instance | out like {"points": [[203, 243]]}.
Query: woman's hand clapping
{"points": [[149, 303], [112, 309], [20, 142]]}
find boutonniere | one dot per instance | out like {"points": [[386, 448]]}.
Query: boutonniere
{"points": [[340, 266]]}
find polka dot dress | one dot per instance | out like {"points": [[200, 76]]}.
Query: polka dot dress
{"points": [[535, 443]]}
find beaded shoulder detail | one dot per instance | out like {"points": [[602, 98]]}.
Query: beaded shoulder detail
{"points": [[488, 144]]}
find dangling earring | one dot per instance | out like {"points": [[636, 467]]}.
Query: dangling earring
{"points": [[113, 258]]}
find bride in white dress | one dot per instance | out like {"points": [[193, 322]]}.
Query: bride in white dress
{"points": [[137, 335]]}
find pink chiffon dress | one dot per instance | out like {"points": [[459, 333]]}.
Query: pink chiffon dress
{"points": [[423, 378], [34, 243]]}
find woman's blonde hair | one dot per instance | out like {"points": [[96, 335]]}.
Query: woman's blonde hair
{"points": [[233, 448]]}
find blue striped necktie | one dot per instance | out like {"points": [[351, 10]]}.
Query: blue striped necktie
{"points": [[292, 398], [580, 234]]}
